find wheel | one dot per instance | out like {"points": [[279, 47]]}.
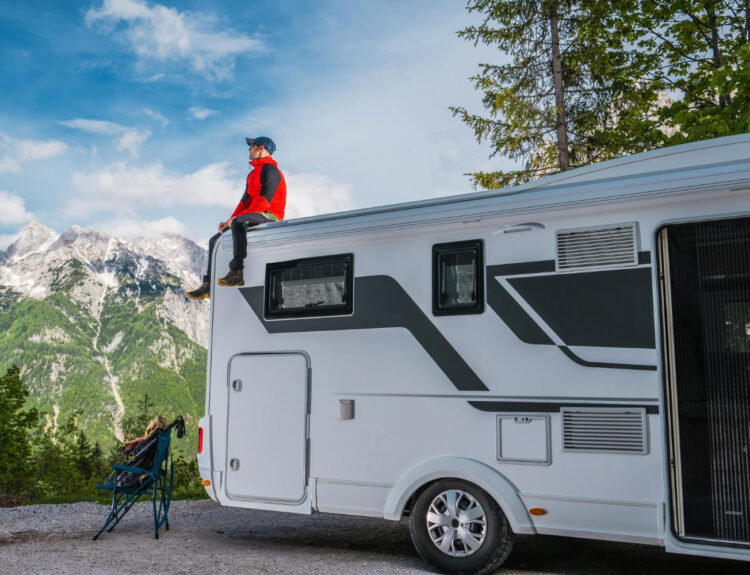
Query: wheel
{"points": [[459, 529]]}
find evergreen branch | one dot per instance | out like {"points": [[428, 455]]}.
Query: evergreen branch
{"points": [[675, 48]]}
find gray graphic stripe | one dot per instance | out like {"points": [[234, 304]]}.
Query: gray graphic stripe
{"points": [[380, 302], [547, 406], [541, 267], [521, 268], [514, 316], [621, 302], [608, 308], [606, 365]]}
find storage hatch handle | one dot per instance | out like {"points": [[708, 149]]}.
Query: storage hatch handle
{"points": [[237, 385], [234, 464]]}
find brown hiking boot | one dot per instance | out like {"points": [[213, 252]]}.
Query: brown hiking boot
{"points": [[235, 278], [203, 292]]}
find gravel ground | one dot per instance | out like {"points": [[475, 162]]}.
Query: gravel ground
{"points": [[206, 538]]}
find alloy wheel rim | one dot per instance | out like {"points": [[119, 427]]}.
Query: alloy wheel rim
{"points": [[456, 523]]}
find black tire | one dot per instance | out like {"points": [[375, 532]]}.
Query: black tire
{"points": [[460, 559]]}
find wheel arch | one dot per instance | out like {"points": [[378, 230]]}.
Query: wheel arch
{"points": [[494, 483]]}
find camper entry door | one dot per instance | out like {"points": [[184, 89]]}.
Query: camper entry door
{"points": [[267, 425]]}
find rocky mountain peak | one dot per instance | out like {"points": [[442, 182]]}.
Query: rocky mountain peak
{"points": [[93, 268], [90, 240], [181, 256], [33, 238]]}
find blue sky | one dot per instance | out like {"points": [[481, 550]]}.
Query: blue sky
{"points": [[129, 116]]}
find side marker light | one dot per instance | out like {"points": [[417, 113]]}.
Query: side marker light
{"points": [[538, 511], [206, 482]]}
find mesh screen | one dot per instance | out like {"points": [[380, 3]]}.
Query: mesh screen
{"points": [[710, 290]]}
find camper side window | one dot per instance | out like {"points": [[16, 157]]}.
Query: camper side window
{"points": [[310, 287], [458, 278]]}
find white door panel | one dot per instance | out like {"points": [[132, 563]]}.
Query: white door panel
{"points": [[267, 427]]}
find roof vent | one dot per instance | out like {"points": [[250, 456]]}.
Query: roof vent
{"points": [[604, 246], [612, 430]]}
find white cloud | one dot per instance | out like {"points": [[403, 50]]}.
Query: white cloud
{"points": [[157, 33], [201, 113], [132, 140], [13, 151], [39, 150], [312, 194], [94, 126], [13, 209], [153, 114], [129, 139], [131, 228], [121, 187], [127, 189]]}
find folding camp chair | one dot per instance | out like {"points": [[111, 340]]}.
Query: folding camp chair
{"points": [[149, 472]]}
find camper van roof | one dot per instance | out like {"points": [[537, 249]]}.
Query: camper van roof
{"points": [[655, 164]]}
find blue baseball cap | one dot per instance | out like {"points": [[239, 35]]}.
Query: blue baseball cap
{"points": [[267, 143]]}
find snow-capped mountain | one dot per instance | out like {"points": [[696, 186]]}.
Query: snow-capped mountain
{"points": [[95, 322], [39, 261]]}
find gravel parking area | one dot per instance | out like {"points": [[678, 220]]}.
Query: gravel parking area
{"points": [[208, 539]]}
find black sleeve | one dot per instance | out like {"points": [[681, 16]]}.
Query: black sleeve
{"points": [[245, 196], [270, 178]]}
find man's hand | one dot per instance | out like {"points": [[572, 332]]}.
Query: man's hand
{"points": [[223, 226]]}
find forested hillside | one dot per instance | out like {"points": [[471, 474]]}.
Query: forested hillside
{"points": [[95, 323]]}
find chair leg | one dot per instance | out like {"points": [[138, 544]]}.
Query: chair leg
{"points": [[118, 510]]}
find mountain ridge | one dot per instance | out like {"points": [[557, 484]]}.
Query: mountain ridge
{"points": [[95, 322]]}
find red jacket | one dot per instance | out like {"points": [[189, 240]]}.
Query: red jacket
{"points": [[265, 190]]}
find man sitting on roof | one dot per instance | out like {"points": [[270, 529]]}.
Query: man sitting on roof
{"points": [[264, 201]]}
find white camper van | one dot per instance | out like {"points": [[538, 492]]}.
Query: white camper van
{"points": [[569, 357]]}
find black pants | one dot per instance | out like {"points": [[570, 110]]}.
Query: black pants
{"points": [[239, 241]]}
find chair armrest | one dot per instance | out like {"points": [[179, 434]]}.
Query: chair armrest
{"points": [[132, 470]]}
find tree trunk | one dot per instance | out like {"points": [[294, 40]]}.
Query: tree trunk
{"points": [[724, 101], [561, 123]]}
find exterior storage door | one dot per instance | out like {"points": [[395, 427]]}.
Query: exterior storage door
{"points": [[267, 427], [705, 294]]}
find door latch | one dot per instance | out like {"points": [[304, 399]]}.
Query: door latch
{"points": [[234, 464], [237, 385]]}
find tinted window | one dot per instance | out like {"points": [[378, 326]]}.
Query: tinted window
{"points": [[458, 278], [309, 287]]}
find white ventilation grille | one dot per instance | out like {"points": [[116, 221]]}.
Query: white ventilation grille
{"points": [[608, 246], [611, 430]]}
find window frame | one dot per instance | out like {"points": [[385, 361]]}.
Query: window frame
{"points": [[441, 249], [344, 309]]}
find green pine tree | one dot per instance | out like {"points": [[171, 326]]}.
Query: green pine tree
{"points": [[16, 424], [135, 425], [573, 92]]}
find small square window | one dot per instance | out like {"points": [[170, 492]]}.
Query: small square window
{"points": [[458, 278], [310, 287]]}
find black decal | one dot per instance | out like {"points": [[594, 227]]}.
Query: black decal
{"points": [[540, 267], [611, 308], [380, 302], [547, 407], [583, 362], [514, 316]]}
